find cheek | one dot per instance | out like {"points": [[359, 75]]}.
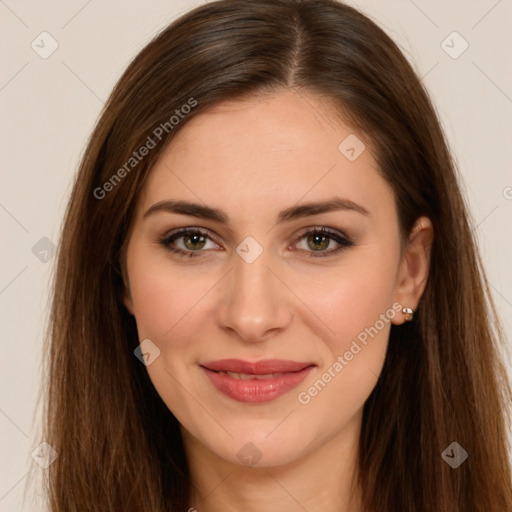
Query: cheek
{"points": [[356, 304], [359, 313], [164, 296], [351, 298], [167, 305]]}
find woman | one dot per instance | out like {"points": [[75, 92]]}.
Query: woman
{"points": [[268, 295]]}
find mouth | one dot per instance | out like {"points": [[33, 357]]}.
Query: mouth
{"points": [[256, 382]]}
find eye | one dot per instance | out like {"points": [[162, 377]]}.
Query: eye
{"points": [[191, 241], [319, 239]]}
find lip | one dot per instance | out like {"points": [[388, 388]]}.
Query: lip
{"points": [[257, 367], [253, 390]]}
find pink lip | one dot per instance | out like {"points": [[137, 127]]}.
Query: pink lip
{"points": [[291, 374], [256, 368]]}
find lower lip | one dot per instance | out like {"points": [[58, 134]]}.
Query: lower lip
{"points": [[255, 391]]}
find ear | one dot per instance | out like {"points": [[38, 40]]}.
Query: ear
{"points": [[128, 301], [414, 267], [127, 296]]}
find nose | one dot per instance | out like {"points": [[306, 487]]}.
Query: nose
{"points": [[254, 302]]}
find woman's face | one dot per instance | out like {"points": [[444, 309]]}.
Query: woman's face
{"points": [[257, 284]]}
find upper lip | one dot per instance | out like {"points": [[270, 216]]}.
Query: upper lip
{"points": [[256, 368]]}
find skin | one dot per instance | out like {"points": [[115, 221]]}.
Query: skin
{"points": [[252, 159]]}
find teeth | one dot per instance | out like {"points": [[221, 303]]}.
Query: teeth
{"points": [[249, 376]]}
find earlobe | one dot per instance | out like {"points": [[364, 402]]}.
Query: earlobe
{"points": [[128, 301], [127, 296], [414, 268]]}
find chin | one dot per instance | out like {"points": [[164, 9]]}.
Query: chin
{"points": [[261, 448]]}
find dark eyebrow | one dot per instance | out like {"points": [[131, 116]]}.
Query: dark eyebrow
{"points": [[294, 212], [307, 209]]}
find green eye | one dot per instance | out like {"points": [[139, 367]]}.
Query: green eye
{"points": [[194, 242], [318, 240]]}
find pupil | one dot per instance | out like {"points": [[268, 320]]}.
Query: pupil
{"points": [[194, 239], [319, 239]]}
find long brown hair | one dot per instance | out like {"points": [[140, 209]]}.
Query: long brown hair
{"points": [[119, 447]]}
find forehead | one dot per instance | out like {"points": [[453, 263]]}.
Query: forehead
{"points": [[264, 151]]}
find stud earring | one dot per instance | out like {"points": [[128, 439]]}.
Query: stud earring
{"points": [[409, 314]]}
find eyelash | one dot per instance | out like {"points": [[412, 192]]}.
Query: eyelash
{"points": [[343, 241]]}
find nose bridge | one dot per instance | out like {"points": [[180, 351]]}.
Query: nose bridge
{"points": [[254, 301]]}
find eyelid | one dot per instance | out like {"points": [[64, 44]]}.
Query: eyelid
{"points": [[320, 229], [342, 239], [195, 230]]}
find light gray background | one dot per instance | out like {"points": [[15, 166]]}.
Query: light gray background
{"points": [[48, 108]]}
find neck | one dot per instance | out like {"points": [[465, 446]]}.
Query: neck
{"points": [[321, 480]]}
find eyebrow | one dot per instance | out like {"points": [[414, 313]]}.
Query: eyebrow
{"points": [[292, 213]]}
